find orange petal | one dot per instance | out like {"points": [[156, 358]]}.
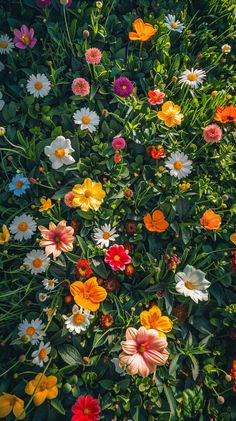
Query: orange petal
{"points": [[40, 397], [52, 393], [164, 324], [77, 288], [98, 294], [158, 216], [138, 26], [144, 319]]}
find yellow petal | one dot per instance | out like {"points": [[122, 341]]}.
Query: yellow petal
{"points": [[52, 393], [233, 238], [5, 405], [18, 409], [40, 397]]}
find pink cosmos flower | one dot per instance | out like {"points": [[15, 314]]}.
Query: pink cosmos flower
{"points": [[117, 257], [212, 133], [57, 238], [93, 56], [68, 199], [80, 87], [118, 143], [24, 37], [156, 97], [143, 351]]}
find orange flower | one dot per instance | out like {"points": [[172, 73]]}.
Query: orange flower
{"points": [[226, 114], [144, 31], [210, 220], [170, 114], [153, 319], [156, 221], [10, 403], [233, 238], [89, 294], [42, 388]]}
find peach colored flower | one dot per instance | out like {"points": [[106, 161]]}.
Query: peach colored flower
{"points": [[57, 238], [68, 199], [80, 87], [143, 351], [212, 133], [93, 56]]}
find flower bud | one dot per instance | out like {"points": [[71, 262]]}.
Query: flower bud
{"points": [[221, 400], [86, 34], [2, 131], [228, 378]]}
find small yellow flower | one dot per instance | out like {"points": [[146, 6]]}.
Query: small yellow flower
{"points": [[233, 238], [214, 93], [170, 114], [88, 195], [4, 235], [46, 204], [184, 186], [229, 96]]}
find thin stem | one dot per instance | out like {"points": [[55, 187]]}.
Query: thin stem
{"points": [[67, 30]]}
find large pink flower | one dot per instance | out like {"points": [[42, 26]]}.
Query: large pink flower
{"points": [[24, 37], [57, 238], [144, 350], [117, 257]]}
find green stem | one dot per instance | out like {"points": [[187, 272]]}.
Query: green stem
{"points": [[67, 30]]}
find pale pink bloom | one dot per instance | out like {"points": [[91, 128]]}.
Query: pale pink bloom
{"points": [[24, 37], [93, 56], [57, 238], [156, 97], [144, 350], [212, 133], [68, 199], [80, 87], [118, 143]]}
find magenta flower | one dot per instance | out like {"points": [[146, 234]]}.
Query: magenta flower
{"points": [[24, 37], [43, 3], [212, 133], [123, 87], [118, 143]]}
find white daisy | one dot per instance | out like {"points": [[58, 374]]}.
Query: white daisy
{"points": [[40, 357], [173, 24], [6, 44], [2, 102], [2, 66], [50, 312], [104, 235], [179, 164], [226, 48], [36, 261], [79, 320], [38, 85], [59, 152], [49, 284], [23, 227], [194, 78], [31, 331], [192, 283], [87, 119]]}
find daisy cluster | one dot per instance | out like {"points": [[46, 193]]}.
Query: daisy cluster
{"points": [[117, 234]]}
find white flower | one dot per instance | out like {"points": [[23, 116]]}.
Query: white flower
{"points": [[226, 48], [87, 119], [50, 312], [59, 152], [118, 369], [192, 283], [41, 355], [6, 44], [49, 284], [38, 86], [173, 24], [104, 235], [23, 227], [43, 297], [194, 78], [79, 320], [2, 66], [2, 102], [36, 261], [31, 331], [179, 164]]}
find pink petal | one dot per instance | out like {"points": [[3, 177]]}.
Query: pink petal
{"points": [[130, 347], [131, 333]]}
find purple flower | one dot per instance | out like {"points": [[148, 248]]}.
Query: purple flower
{"points": [[43, 3], [24, 37], [123, 87]]}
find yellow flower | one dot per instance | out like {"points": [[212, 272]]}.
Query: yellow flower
{"points": [[46, 204], [233, 238], [170, 114], [4, 235], [10, 403], [88, 195], [153, 319], [184, 186], [42, 388]]}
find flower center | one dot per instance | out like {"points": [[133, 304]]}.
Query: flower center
{"points": [[43, 353], [87, 193], [178, 165], [86, 295], [106, 236], [86, 411], [51, 283], [19, 184], [37, 263], [30, 331], [86, 119], [78, 319], [124, 87], [38, 85], [189, 285], [42, 386], [116, 258], [3, 44], [25, 39], [22, 226], [141, 348], [60, 153], [57, 239], [192, 77], [230, 118], [174, 24]]}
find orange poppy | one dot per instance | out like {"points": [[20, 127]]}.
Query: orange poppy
{"points": [[226, 114], [144, 31], [210, 220], [156, 221], [89, 294], [153, 319]]}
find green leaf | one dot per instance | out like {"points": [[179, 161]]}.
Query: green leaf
{"points": [[56, 404], [195, 366], [171, 401], [106, 384], [70, 354]]}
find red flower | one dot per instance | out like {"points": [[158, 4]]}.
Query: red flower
{"points": [[157, 153], [86, 409], [117, 257], [83, 268]]}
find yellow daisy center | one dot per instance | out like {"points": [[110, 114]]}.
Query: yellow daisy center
{"points": [[189, 285], [192, 77], [174, 25], [51, 283], [37, 263], [60, 153], [43, 353], [3, 44], [30, 331], [178, 165], [78, 319], [86, 119], [22, 226], [116, 258], [106, 235], [19, 184], [38, 85], [25, 39]]}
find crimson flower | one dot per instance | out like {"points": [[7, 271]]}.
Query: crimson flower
{"points": [[117, 257], [83, 268], [86, 409]]}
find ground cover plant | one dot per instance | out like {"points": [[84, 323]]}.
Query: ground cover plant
{"points": [[117, 231]]}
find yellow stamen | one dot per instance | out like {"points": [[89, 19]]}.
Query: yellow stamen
{"points": [[178, 165], [22, 226]]}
